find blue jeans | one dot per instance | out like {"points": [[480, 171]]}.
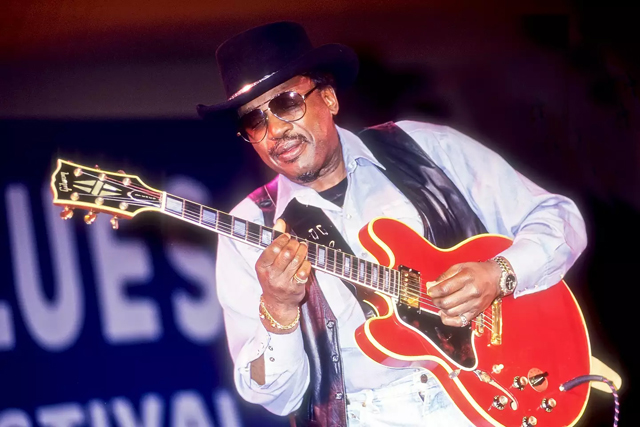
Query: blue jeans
{"points": [[409, 401]]}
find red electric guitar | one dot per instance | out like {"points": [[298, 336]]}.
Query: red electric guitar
{"points": [[505, 369]]}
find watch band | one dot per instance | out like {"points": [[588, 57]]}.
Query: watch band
{"points": [[508, 280]]}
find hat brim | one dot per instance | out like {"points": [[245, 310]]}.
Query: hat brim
{"points": [[339, 60]]}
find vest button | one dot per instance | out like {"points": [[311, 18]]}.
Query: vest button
{"points": [[338, 396], [335, 357], [331, 324]]}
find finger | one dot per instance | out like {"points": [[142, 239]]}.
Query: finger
{"points": [[298, 258], [271, 252], [303, 272], [457, 320], [470, 306], [449, 282], [469, 291], [286, 255], [280, 225]]}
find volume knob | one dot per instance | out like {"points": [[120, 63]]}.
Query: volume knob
{"points": [[520, 382], [529, 421], [548, 404], [499, 402]]}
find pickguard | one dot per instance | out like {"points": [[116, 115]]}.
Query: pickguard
{"points": [[453, 341]]}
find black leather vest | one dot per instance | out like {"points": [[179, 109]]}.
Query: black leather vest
{"points": [[448, 219]]}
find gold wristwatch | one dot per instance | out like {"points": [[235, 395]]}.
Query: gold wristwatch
{"points": [[508, 280]]}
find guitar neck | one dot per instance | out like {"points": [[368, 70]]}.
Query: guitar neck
{"points": [[335, 262]]}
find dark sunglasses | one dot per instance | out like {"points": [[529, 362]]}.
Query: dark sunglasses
{"points": [[287, 106]]}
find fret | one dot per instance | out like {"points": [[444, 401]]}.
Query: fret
{"points": [[312, 253], [331, 260], [253, 233], [354, 268], [346, 265], [322, 256], [191, 211], [374, 275], [239, 228], [266, 236], [209, 218], [225, 223], [174, 205], [395, 275]]}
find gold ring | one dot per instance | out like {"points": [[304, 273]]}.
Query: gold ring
{"points": [[299, 280]]}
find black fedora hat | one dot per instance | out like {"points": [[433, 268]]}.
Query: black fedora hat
{"points": [[259, 59]]}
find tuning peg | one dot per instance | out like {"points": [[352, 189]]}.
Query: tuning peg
{"points": [[114, 222], [121, 171], [90, 217], [96, 167], [67, 213]]}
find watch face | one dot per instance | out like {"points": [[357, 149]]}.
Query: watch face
{"points": [[510, 282]]}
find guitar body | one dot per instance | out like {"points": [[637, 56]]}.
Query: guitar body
{"points": [[541, 333]]}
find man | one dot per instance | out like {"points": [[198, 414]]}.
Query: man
{"points": [[282, 92]]}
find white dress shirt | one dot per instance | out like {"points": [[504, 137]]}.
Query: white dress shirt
{"points": [[547, 229]]}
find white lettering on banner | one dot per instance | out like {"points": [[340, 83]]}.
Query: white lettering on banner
{"points": [[7, 337], [117, 264], [98, 414], [65, 415], [151, 408], [53, 324], [188, 409], [198, 318], [14, 418], [226, 408]]}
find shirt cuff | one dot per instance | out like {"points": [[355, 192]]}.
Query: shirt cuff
{"points": [[282, 352], [526, 257]]}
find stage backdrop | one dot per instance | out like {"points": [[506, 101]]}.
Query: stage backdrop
{"points": [[102, 327]]}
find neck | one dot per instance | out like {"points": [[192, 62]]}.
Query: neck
{"points": [[331, 173]]}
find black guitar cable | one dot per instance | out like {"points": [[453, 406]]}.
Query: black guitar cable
{"points": [[588, 378]]}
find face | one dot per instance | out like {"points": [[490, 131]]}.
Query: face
{"points": [[304, 150]]}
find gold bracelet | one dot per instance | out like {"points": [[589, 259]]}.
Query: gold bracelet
{"points": [[264, 314]]}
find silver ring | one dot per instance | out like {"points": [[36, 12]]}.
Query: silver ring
{"points": [[299, 280], [464, 320]]}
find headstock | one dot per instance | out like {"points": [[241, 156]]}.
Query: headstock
{"points": [[117, 193]]}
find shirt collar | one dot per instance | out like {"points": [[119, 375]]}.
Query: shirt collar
{"points": [[354, 153]]}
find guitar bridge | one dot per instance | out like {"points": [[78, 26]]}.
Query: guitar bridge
{"points": [[409, 287]]}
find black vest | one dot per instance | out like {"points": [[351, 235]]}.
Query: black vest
{"points": [[448, 219]]}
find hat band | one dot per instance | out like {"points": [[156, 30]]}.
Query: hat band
{"points": [[248, 86]]}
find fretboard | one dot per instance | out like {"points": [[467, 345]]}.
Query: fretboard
{"points": [[348, 267]]}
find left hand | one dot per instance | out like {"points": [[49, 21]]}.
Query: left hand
{"points": [[466, 289]]}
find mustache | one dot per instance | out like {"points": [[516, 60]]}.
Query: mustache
{"points": [[287, 137]]}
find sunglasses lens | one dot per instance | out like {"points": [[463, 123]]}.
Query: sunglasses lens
{"points": [[253, 125], [288, 106]]}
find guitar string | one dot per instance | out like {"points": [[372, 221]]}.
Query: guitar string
{"points": [[414, 291]]}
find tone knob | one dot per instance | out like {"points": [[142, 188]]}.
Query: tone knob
{"points": [[529, 421], [520, 382], [90, 217], [67, 213], [499, 402], [548, 404]]}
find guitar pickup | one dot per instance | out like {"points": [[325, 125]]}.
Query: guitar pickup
{"points": [[410, 289]]}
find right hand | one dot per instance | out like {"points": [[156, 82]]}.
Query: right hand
{"points": [[276, 267]]}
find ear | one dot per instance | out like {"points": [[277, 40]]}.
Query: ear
{"points": [[330, 99]]}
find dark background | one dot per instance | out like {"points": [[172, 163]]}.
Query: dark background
{"points": [[551, 86]]}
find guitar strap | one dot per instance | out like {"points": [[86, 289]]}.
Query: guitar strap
{"points": [[310, 223]]}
